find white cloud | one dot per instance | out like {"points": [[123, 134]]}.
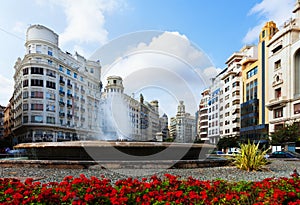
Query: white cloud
{"points": [[167, 65], [85, 19], [269, 10], [6, 91]]}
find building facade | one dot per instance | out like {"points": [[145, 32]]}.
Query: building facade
{"points": [[202, 116], [125, 118], [214, 108], [183, 126], [284, 74], [255, 73], [56, 94], [2, 109]]}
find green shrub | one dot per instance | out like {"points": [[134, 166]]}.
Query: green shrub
{"points": [[251, 158]]}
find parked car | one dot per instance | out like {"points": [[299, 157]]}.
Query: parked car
{"points": [[233, 152], [282, 154]]}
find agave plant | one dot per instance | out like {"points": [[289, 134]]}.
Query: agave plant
{"points": [[251, 158]]}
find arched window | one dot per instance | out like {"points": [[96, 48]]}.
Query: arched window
{"points": [[297, 74]]}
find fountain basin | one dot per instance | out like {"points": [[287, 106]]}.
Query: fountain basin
{"points": [[115, 150]]}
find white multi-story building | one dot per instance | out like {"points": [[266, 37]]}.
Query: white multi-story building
{"points": [[125, 118], [56, 94], [284, 74], [216, 94], [232, 92], [202, 118], [183, 126]]}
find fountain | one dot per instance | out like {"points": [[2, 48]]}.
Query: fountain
{"points": [[119, 154]]}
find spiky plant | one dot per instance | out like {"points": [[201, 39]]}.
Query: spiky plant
{"points": [[251, 158]]}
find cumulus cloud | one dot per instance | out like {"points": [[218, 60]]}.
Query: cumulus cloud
{"points": [[6, 91], [278, 11], [166, 65], [85, 20]]}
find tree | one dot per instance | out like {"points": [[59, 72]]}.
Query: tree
{"points": [[227, 142], [288, 133]]}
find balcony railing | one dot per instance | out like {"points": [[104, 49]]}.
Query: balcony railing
{"points": [[69, 115], [69, 105], [61, 103], [62, 82], [69, 95], [69, 85], [61, 114], [62, 93]]}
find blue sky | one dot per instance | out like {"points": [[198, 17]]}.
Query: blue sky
{"points": [[216, 27]]}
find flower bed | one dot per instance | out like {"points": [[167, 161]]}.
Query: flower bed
{"points": [[169, 190]]}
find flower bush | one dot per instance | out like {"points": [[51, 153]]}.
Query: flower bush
{"points": [[168, 190]]}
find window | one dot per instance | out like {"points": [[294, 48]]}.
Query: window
{"points": [[227, 89], [50, 120], [37, 118], [39, 107], [75, 75], [25, 107], [277, 64], [36, 82], [25, 83], [51, 73], [235, 84], [297, 108], [61, 68], [50, 96], [50, 84], [25, 71], [25, 119], [236, 102], [226, 97], [38, 49], [278, 93], [37, 94], [278, 112], [37, 70], [68, 72], [50, 108], [251, 90], [50, 53], [227, 80], [25, 94], [252, 72], [226, 114], [92, 70], [81, 78], [50, 62], [235, 93]]}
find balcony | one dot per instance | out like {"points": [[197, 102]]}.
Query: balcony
{"points": [[69, 95], [82, 91], [82, 119], [61, 114], [76, 117], [76, 97], [69, 85], [277, 102], [62, 82], [62, 93], [61, 103], [82, 109], [82, 100], [76, 107], [69, 105], [76, 88], [69, 116]]}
